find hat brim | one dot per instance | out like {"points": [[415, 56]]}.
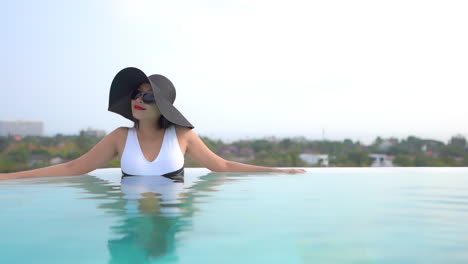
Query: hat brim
{"points": [[129, 79]]}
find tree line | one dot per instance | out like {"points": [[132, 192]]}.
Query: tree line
{"points": [[32, 152]]}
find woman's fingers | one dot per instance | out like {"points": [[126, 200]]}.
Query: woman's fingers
{"points": [[295, 170]]}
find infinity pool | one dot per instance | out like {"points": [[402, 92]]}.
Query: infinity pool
{"points": [[327, 215]]}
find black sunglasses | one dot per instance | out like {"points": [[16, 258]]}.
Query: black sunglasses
{"points": [[148, 98]]}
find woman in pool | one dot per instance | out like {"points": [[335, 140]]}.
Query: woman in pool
{"points": [[157, 142]]}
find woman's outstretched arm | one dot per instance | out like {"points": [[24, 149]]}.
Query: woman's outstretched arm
{"points": [[237, 166], [55, 170], [100, 155], [199, 152]]}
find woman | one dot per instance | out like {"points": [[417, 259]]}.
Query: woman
{"points": [[157, 143]]}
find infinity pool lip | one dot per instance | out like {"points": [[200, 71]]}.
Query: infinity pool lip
{"points": [[370, 214]]}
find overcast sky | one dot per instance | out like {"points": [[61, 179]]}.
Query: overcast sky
{"points": [[244, 68]]}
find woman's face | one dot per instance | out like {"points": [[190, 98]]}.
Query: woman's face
{"points": [[150, 111]]}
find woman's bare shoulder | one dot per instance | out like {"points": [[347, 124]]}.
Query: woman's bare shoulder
{"points": [[182, 131], [119, 133], [122, 129]]}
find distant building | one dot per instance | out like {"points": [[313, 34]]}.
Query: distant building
{"points": [[94, 132], [36, 159], [381, 160], [56, 160], [315, 159], [387, 144], [21, 128], [424, 148]]}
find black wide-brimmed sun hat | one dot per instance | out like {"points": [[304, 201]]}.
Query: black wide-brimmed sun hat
{"points": [[164, 93]]}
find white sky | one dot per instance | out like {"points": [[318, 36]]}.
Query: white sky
{"points": [[245, 69]]}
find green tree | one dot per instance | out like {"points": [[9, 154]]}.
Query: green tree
{"points": [[3, 143], [20, 155], [458, 141], [403, 161], [359, 158]]}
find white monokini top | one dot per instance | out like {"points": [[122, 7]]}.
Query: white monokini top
{"points": [[169, 162]]}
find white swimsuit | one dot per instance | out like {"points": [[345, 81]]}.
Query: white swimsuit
{"points": [[169, 162]]}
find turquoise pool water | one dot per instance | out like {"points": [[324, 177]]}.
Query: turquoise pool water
{"points": [[327, 215]]}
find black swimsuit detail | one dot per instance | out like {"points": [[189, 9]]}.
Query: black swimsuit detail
{"points": [[176, 176]]}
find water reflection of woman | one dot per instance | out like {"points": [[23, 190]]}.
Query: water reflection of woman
{"points": [[147, 228], [156, 210]]}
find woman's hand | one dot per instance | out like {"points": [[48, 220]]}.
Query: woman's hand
{"points": [[293, 170]]}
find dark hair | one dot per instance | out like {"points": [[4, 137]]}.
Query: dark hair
{"points": [[162, 122]]}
